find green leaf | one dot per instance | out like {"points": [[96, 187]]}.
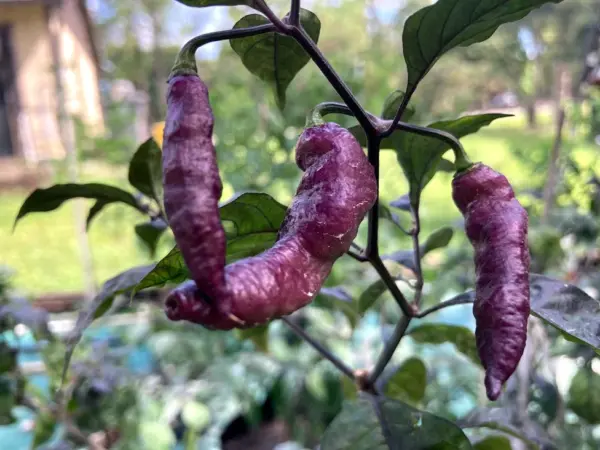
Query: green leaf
{"points": [[150, 232], [438, 239], [7, 401], [439, 333], [567, 308], [584, 395], [391, 105], [493, 443], [508, 421], [44, 429], [435, 29], [258, 335], [205, 3], [274, 58], [195, 415], [339, 299], [359, 427], [94, 211], [49, 199], [101, 303], [145, 170], [251, 221], [419, 155], [408, 382], [8, 358], [446, 166], [371, 295]]}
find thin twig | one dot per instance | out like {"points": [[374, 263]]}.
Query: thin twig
{"points": [[281, 26], [357, 256], [461, 299], [320, 348], [417, 255], [389, 349], [295, 13], [372, 251]]}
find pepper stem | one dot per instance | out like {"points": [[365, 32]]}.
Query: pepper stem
{"points": [[185, 63], [461, 160], [315, 116]]}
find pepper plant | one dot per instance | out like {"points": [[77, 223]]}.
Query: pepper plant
{"points": [[275, 49]]}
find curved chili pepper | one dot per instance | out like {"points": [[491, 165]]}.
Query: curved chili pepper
{"points": [[496, 224], [336, 191]]}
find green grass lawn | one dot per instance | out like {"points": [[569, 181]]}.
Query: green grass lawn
{"points": [[43, 249]]}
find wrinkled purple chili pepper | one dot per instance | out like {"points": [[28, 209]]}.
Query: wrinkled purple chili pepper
{"points": [[337, 190], [496, 224]]}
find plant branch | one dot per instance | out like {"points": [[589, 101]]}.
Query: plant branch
{"points": [[390, 283], [342, 367], [295, 13], [417, 255], [357, 256], [389, 349], [334, 79], [372, 251], [281, 26], [186, 59], [461, 299]]}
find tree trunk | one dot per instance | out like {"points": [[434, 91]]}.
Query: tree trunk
{"points": [[531, 112]]}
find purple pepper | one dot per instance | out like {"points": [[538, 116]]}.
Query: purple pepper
{"points": [[337, 190], [496, 224]]}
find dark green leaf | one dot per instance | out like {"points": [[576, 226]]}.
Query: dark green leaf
{"points": [[95, 210], [8, 358], [439, 333], [7, 400], [435, 29], [370, 296], [274, 58], [419, 155], [507, 421], [438, 239], [205, 3], [493, 443], [584, 395], [391, 105], [408, 382], [567, 308], [43, 200], [145, 170], [150, 233], [251, 221], [359, 427], [123, 282]]}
